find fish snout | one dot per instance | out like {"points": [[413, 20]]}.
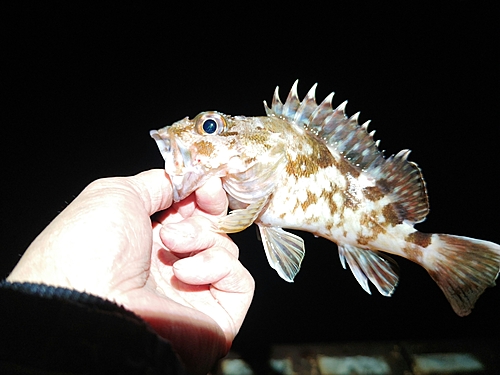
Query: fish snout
{"points": [[176, 154], [162, 141], [178, 163]]}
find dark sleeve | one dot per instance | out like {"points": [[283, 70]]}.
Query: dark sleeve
{"points": [[48, 330]]}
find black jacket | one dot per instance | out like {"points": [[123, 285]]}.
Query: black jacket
{"points": [[48, 330]]}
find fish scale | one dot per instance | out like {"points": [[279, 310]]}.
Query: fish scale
{"points": [[309, 167]]}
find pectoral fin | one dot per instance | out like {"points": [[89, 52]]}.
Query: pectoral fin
{"points": [[242, 218], [284, 251], [366, 265]]}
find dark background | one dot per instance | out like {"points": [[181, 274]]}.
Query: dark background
{"points": [[84, 84]]}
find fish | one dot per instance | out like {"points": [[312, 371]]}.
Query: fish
{"points": [[309, 167]]}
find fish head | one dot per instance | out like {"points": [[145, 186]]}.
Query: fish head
{"points": [[212, 144]]}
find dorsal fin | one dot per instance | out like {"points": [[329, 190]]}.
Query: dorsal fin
{"points": [[395, 176], [403, 181]]}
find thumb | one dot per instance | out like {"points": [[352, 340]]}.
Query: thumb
{"points": [[154, 189]]}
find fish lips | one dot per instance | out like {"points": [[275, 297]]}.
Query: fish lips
{"points": [[185, 177]]}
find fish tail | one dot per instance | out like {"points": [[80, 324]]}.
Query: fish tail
{"points": [[463, 268]]}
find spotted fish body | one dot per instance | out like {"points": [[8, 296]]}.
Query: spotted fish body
{"points": [[310, 167]]}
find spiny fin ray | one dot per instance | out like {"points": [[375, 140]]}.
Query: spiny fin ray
{"points": [[403, 181], [395, 175], [375, 266]]}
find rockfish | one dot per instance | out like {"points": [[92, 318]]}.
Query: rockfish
{"points": [[310, 167]]}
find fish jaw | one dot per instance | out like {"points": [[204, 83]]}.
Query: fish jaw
{"points": [[185, 176]]}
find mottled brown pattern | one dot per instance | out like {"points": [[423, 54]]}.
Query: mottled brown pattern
{"points": [[374, 225], [305, 165], [458, 243], [204, 148], [232, 142], [411, 196], [390, 214], [311, 199], [313, 219], [464, 270], [297, 205], [363, 240], [227, 134], [467, 253], [323, 156], [350, 202], [301, 166], [328, 195], [259, 138], [249, 161], [179, 130], [384, 186], [413, 252], [419, 238], [373, 193], [347, 168], [368, 221]]}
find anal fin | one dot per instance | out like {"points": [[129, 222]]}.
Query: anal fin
{"points": [[242, 218], [366, 265], [284, 251]]}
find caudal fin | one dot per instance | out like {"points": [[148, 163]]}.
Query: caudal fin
{"points": [[463, 268]]}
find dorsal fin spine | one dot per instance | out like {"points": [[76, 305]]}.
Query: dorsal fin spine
{"points": [[321, 112], [341, 107], [276, 105], [306, 107], [396, 176], [292, 102]]}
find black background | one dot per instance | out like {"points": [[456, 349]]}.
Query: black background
{"points": [[84, 84]]}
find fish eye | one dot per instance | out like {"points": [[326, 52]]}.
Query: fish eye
{"points": [[210, 123], [209, 126]]}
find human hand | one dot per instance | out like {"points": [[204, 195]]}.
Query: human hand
{"points": [[177, 273]]}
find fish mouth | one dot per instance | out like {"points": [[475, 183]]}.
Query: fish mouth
{"points": [[185, 177], [162, 143]]}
